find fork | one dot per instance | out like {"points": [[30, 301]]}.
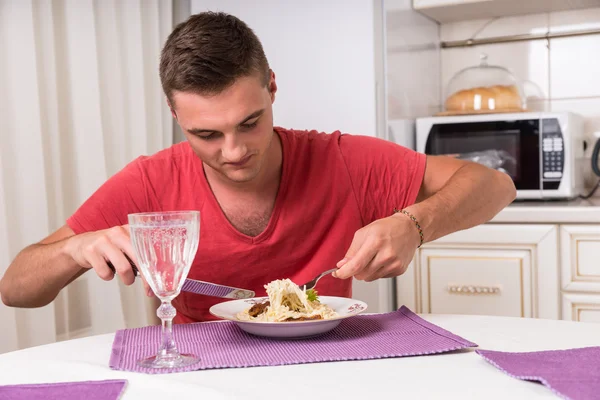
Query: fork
{"points": [[313, 283]]}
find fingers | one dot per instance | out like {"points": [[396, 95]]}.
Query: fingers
{"points": [[382, 267], [384, 257], [378, 250], [357, 242], [385, 271], [98, 263], [97, 249], [391, 272], [121, 264], [119, 236], [355, 264], [369, 259], [115, 245]]}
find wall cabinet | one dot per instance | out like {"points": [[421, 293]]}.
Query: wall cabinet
{"points": [[460, 10]]}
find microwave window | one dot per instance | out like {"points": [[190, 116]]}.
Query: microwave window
{"points": [[498, 150], [508, 146]]}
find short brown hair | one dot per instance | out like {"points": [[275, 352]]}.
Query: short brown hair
{"points": [[208, 52]]}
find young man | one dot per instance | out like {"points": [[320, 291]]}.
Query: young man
{"points": [[274, 203]]}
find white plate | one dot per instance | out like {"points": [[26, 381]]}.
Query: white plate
{"points": [[297, 329]]}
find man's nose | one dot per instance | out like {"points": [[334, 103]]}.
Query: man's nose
{"points": [[234, 149]]}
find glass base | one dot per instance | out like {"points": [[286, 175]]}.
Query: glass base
{"points": [[177, 361]]}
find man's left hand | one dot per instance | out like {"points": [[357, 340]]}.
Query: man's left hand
{"points": [[382, 249]]}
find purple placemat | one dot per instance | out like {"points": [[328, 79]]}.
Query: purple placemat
{"points": [[571, 374], [224, 345], [89, 390]]}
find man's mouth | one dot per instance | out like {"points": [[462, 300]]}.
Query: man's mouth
{"points": [[240, 163]]}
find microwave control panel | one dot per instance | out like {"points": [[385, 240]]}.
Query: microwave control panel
{"points": [[553, 152]]}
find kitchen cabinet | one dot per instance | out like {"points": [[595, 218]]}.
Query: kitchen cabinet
{"points": [[580, 254], [584, 307], [580, 251], [476, 281], [444, 11], [492, 269], [544, 270]]}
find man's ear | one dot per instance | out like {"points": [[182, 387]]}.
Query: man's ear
{"points": [[272, 85], [173, 113]]}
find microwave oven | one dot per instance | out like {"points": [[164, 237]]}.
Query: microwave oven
{"points": [[543, 152]]}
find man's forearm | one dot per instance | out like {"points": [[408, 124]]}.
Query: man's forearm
{"points": [[472, 196], [37, 274]]}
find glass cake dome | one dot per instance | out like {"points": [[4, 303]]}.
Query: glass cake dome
{"points": [[483, 89]]}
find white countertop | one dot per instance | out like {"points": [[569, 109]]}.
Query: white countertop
{"points": [[458, 375], [577, 211]]}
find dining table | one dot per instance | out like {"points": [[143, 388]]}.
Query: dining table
{"points": [[461, 374]]}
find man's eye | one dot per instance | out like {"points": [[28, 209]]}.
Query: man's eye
{"points": [[209, 137], [249, 126]]}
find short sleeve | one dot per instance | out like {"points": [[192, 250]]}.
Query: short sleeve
{"points": [[384, 175], [123, 193]]}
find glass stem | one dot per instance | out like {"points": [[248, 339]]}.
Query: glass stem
{"points": [[166, 312]]}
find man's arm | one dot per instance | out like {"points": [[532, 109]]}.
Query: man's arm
{"points": [[17, 281], [454, 195], [457, 195], [40, 271]]}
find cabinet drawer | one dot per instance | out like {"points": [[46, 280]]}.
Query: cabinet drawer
{"points": [[477, 281], [580, 255], [581, 307]]}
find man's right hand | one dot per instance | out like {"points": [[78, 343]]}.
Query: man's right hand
{"points": [[41, 270], [94, 249]]}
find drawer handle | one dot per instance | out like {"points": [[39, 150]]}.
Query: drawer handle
{"points": [[471, 289]]}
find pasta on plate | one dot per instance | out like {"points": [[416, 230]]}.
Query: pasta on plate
{"points": [[287, 302]]}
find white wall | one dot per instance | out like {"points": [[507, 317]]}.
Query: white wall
{"points": [[323, 57], [412, 69], [413, 62]]}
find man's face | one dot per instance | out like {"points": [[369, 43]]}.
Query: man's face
{"points": [[232, 131]]}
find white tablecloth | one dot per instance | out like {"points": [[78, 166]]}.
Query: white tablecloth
{"points": [[463, 375]]}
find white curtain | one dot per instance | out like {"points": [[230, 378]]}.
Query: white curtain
{"points": [[79, 98]]}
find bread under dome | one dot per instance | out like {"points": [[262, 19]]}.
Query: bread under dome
{"points": [[483, 89]]}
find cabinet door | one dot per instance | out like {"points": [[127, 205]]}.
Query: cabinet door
{"points": [[580, 255], [476, 281], [509, 270], [418, 4], [581, 307]]}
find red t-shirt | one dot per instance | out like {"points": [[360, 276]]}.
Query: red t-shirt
{"points": [[331, 186]]}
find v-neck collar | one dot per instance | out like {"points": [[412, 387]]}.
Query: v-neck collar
{"points": [[279, 199]]}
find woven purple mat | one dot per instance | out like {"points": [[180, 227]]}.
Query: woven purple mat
{"points": [[88, 390], [571, 374], [224, 345]]}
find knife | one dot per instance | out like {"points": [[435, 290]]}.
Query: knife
{"points": [[201, 287]]}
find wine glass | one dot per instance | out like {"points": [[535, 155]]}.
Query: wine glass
{"points": [[165, 245]]}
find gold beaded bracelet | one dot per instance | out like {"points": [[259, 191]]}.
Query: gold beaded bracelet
{"points": [[412, 217]]}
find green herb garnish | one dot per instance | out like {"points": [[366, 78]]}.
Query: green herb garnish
{"points": [[312, 295]]}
